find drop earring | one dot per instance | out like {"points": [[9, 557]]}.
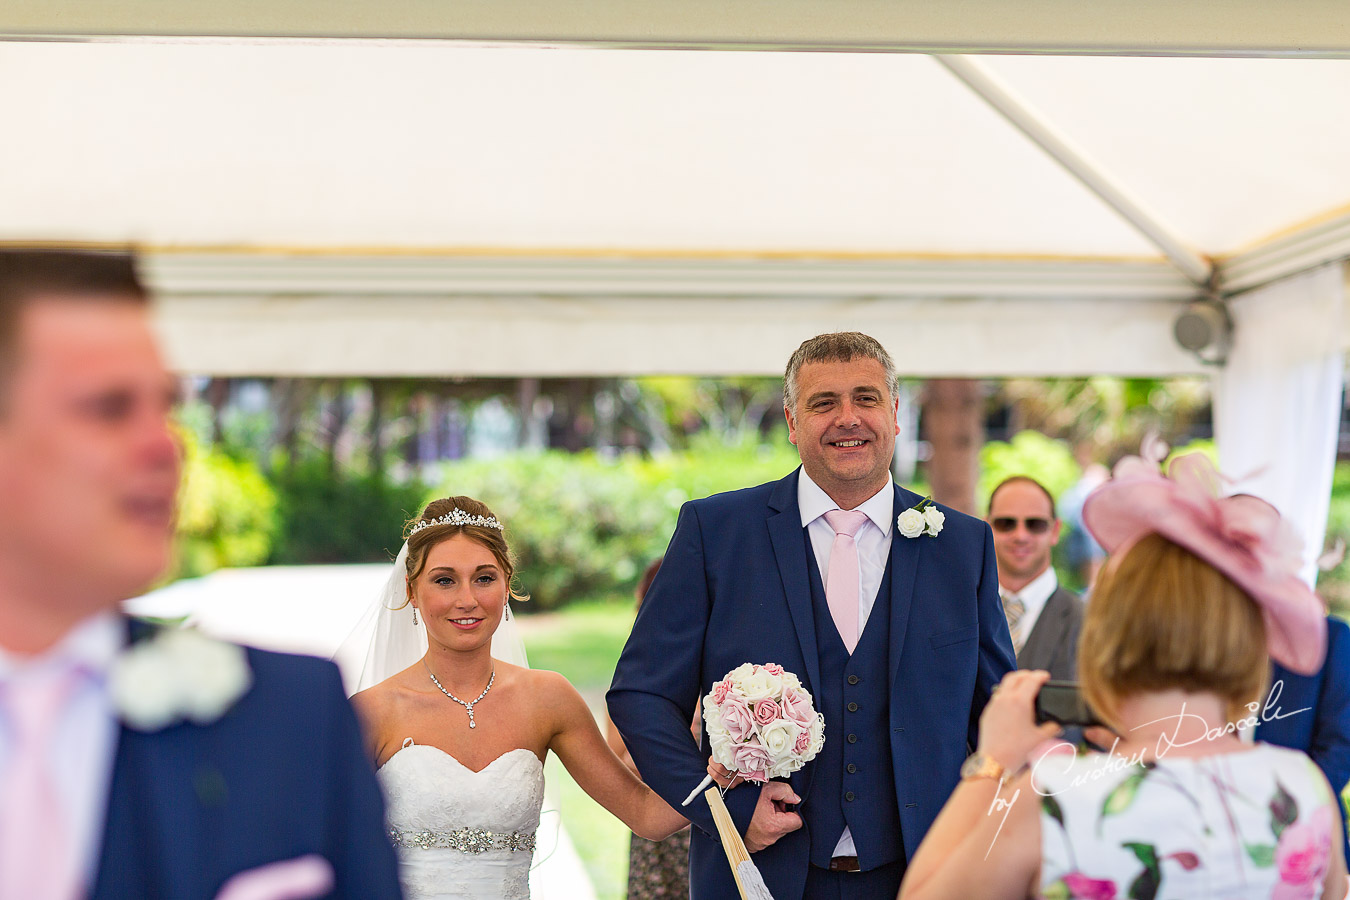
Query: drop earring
{"points": [[414, 615]]}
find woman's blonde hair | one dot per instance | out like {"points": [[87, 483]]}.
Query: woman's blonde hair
{"points": [[422, 540], [1160, 619]]}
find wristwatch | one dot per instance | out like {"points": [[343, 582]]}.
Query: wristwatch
{"points": [[978, 765]]}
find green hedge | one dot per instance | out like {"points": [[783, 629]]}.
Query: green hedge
{"points": [[1334, 585], [1045, 459], [583, 526], [340, 516], [226, 512]]}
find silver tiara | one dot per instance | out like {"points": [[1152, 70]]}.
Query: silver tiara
{"points": [[457, 516]]}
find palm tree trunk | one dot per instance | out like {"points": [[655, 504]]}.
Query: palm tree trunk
{"points": [[953, 424]]}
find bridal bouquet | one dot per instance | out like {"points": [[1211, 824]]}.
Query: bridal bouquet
{"points": [[761, 722]]}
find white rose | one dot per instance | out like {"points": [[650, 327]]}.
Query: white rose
{"points": [[817, 732], [723, 749], [738, 674], [779, 737], [713, 725], [791, 681], [760, 686], [785, 768], [911, 523], [934, 517], [143, 689], [214, 674]]}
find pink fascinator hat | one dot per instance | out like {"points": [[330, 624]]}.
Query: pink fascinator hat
{"points": [[1242, 536]]}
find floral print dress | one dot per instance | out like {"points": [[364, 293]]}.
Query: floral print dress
{"points": [[1252, 823]]}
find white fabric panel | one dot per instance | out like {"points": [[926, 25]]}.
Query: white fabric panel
{"points": [[339, 145], [1277, 403]]}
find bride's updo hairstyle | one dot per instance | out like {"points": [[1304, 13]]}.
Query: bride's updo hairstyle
{"points": [[422, 539]]}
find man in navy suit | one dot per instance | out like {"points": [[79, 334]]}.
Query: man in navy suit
{"points": [[215, 771], [1312, 712], [901, 673]]}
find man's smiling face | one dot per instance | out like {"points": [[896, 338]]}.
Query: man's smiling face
{"points": [[844, 426]]}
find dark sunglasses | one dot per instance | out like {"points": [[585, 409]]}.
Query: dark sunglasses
{"points": [[1005, 524]]}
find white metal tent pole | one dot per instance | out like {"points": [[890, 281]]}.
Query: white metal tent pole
{"points": [[1035, 126]]}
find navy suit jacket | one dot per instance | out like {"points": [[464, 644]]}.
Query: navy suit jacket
{"points": [[1323, 731], [281, 775], [734, 588]]}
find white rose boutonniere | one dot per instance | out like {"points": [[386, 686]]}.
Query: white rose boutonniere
{"points": [[178, 674], [911, 523], [923, 518]]}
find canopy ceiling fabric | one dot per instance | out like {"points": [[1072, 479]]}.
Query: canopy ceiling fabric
{"points": [[436, 146], [274, 163]]}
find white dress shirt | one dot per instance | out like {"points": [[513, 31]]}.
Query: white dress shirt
{"points": [[1034, 597], [873, 541], [86, 733]]}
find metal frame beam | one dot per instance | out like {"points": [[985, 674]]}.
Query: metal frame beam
{"points": [[1062, 149], [1294, 28]]}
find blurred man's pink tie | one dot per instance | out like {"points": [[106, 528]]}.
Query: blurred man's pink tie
{"points": [[37, 858], [841, 584]]}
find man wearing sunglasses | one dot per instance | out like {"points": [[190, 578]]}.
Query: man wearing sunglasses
{"points": [[1043, 617]]}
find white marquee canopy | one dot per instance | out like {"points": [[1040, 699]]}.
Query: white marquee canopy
{"points": [[312, 205], [548, 187]]}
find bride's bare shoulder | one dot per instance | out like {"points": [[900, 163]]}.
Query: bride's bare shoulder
{"points": [[372, 703], [532, 677], [556, 701], [378, 701]]}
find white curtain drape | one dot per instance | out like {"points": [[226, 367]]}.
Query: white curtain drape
{"points": [[1277, 402]]}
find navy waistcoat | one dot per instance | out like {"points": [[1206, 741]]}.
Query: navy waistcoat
{"points": [[854, 782]]}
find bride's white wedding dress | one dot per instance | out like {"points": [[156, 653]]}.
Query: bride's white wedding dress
{"points": [[459, 833]]}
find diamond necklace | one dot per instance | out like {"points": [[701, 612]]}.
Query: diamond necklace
{"points": [[467, 706]]}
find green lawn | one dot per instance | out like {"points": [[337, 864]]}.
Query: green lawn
{"points": [[583, 642]]}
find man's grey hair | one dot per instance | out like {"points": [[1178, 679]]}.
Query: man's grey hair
{"points": [[842, 346]]}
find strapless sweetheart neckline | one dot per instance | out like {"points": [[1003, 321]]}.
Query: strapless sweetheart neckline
{"points": [[456, 761]]}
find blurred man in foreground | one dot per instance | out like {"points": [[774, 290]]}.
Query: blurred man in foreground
{"points": [[137, 762]]}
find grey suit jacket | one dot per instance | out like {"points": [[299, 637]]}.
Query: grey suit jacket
{"points": [[1053, 642]]}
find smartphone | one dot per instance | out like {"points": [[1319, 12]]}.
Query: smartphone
{"points": [[1061, 702]]}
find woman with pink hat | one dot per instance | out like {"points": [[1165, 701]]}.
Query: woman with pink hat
{"points": [[1200, 592]]}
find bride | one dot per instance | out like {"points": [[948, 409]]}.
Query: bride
{"points": [[459, 735]]}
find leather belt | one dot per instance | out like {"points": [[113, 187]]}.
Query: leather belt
{"points": [[844, 864]]}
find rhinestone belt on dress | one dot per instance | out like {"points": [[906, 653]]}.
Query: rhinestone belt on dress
{"points": [[466, 840]]}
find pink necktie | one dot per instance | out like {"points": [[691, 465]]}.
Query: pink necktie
{"points": [[841, 584], [37, 859]]}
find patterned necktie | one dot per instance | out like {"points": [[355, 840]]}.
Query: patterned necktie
{"points": [[1014, 609], [37, 859], [841, 583]]}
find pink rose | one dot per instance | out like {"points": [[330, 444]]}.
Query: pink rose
{"points": [[1302, 856], [752, 762], [773, 668], [803, 741], [767, 711], [796, 707], [737, 717], [1082, 887], [720, 691]]}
